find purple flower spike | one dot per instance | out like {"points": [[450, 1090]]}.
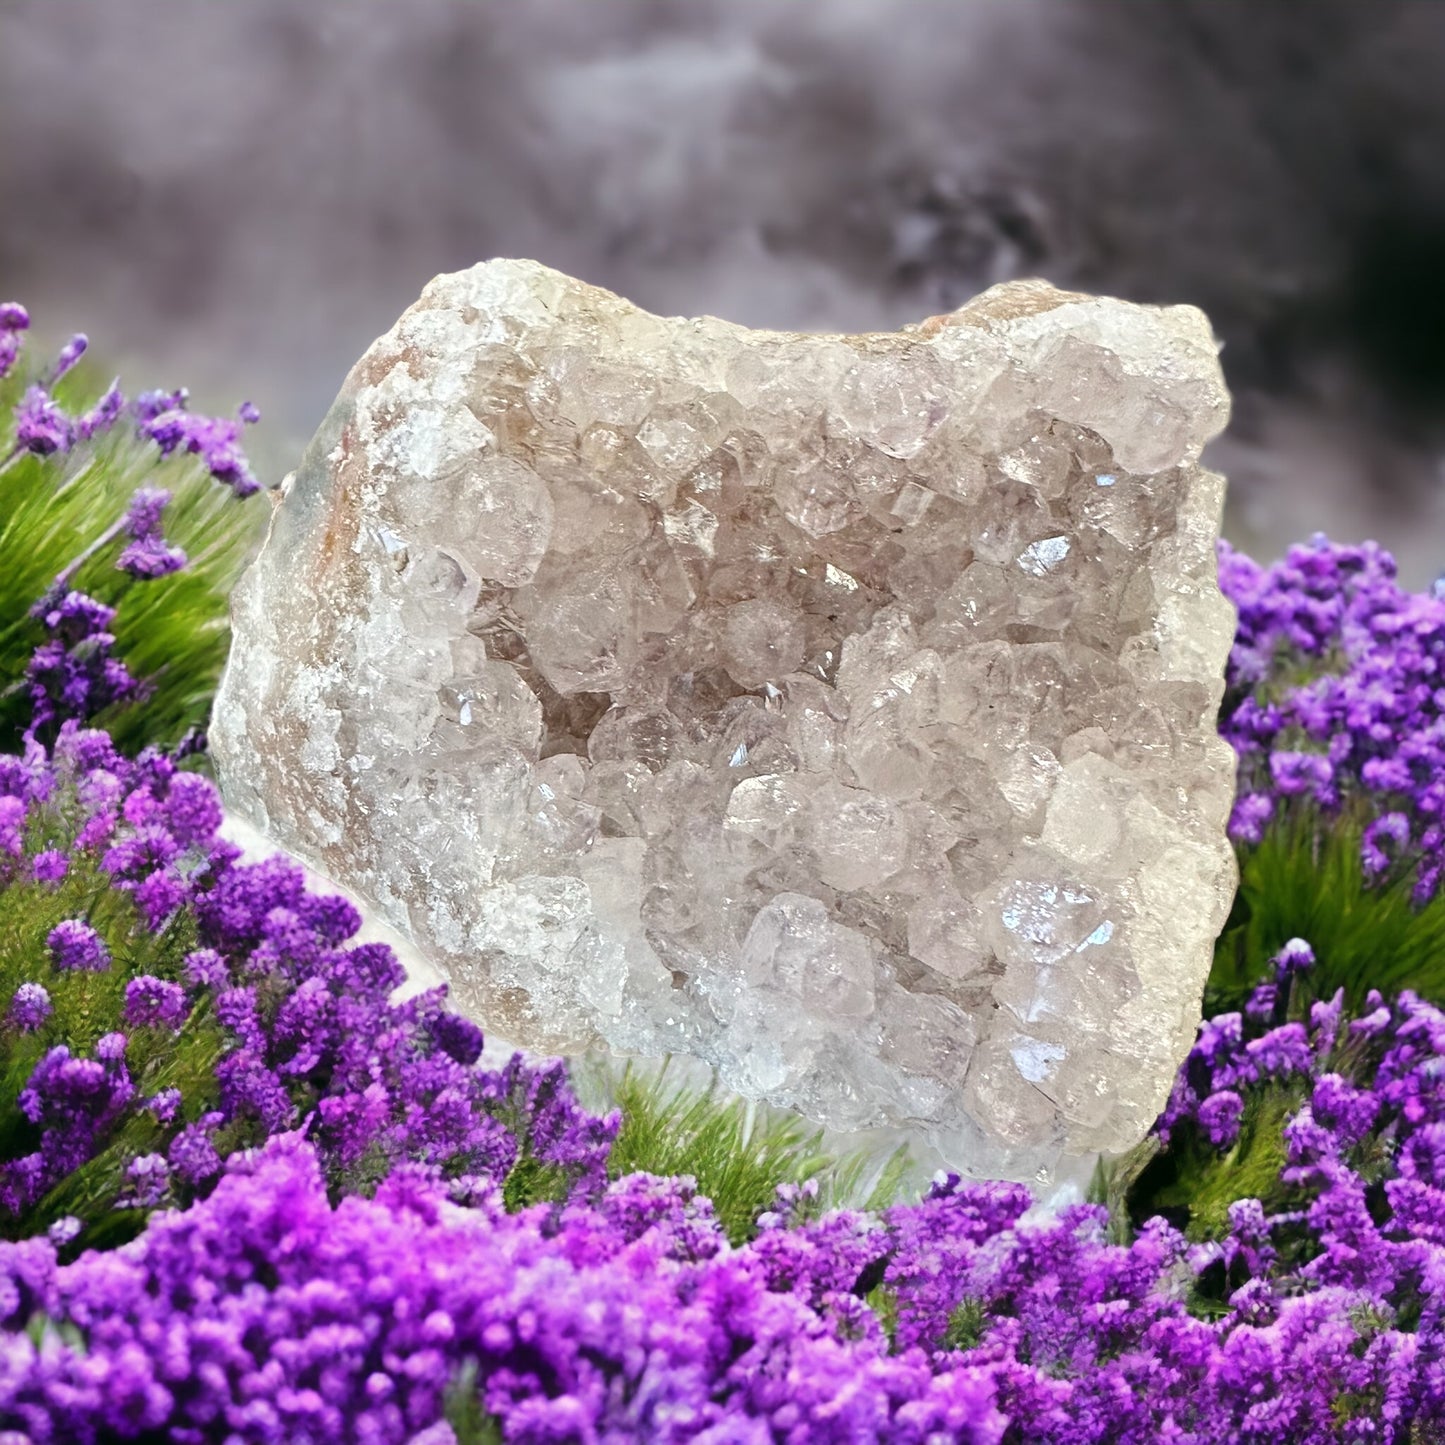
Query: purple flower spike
{"points": [[1219, 1117], [10, 344], [143, 515], [148, 555], [50, 866], [193, 1156], [14, 319], [29, 1007], [1251, 813], [151, 558], [152, 1002], [103, 415], [151, 404], [41, 427], [110, 1048], [74, 676], [166, 1105], [1392, 827], [216, 440], [65, 1229], [147, 1180], [205, 968], [76, 947], [1295, 957], [12, 826], [70, 353], [1296, 773], [457, 1037]]}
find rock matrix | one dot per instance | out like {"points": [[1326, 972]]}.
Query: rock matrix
{"points": [[837, 709]]}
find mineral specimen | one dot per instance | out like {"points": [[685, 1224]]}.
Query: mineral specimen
{"points": [[838, 709]]}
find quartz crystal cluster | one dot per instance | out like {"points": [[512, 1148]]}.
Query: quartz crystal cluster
{"points": [[837, 709]]}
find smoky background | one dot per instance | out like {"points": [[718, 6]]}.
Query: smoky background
{"points": [[240, 197]]}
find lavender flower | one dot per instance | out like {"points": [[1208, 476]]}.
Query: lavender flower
{"points": [[74, 675], [193, 1157], [103, 415], [10, 345], [1363, 720], [73, 1104], [12, 826], [366, 1317], [147, 1182], [216, 440], [154, 1003], [14, 319], [143, 516], [29, 1007], [205, 968], [148, 555], [1219, 1117], [75, 946], [70, 353], [150, 558], [151, 404], [459, 1038], [41, 427], [165, 1106], [64, 1230], [50, 865]]}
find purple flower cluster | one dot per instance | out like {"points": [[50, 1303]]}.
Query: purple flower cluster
{"points": [[264, 1314], [147, 555], [30, 1006], [162, 418], [314, 1026], [1088, 1341], [42, 427], [74, 944], [307, 1032], [73, 674], [14, 322], [1360, 1199], [1336, 695]]}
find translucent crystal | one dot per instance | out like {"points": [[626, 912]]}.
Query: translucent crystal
{"points": [[838, 710]]}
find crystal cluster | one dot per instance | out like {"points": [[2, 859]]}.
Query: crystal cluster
{"points": [[837, 709]]}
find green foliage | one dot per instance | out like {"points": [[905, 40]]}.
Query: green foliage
{"points": [[883, 1301], [173, 631], [738, 1151], [463, 1410], [966, 1324], [1304, 880], [533, 1181], [1192, 1184]]}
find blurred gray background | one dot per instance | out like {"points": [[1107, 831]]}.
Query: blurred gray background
{"points": [[240, 196]]}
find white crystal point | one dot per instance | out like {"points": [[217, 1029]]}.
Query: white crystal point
{"points": [[836, 709]]}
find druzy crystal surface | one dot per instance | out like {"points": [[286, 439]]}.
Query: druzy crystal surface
{"points": [[837, 709]]}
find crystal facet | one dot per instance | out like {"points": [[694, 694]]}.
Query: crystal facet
{"points": [[838, 709]]}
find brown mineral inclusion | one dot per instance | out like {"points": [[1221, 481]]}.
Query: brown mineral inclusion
{"points": [[838, 709]]}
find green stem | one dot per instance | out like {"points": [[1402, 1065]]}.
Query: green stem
{"points": [[62, 578]]}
